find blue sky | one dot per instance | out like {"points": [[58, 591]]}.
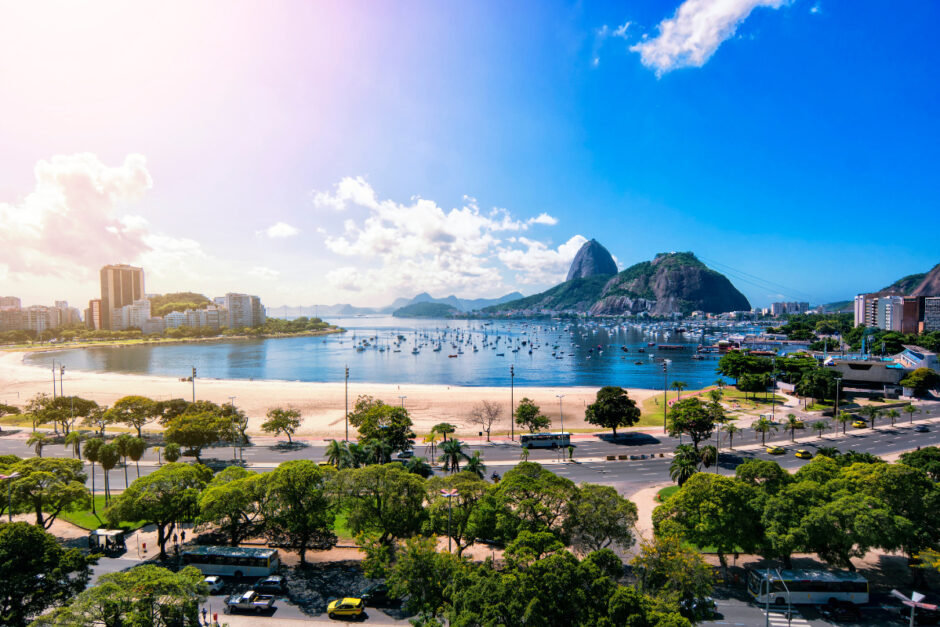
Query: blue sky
{"points": [[280, 149]]}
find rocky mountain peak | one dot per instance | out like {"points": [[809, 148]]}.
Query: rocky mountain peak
{"points": [[592, 260]]}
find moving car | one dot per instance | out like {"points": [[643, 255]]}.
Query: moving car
{"points": [[804, 454], [275, 584], [921, 428], [215, 584], [859, 424], [345, 607], [775, 450], [249, 601]]}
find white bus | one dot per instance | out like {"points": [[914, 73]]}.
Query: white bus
{"points": [[232, 561], [799, 587], [545, 440]]}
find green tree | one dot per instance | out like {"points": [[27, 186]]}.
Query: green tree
{"points": [[910, 410], [537, 497], [195, 431], [233, 501], [145, 596], [921, 380], [92, 448], [166, 496], [848, 527], [712, 510], [691, 416], [893, 415], [731, 429], [36, 572], [612, 408], [843, 418], [337, 454], [122, 444], [419, 466], [47, 487], [422, 576], [753, 383], [136, 448], [444, 429], [763, 473], [598, 517], [666, 567], [475, 465], [819, 427], [678, 386], [377, 421], [75, 439], [459, 516], [793, 423], [171, 452], [281, 420], [529, 415], [298, 510], [926, 459], [383, 500], [133, 411], [819, 383]]}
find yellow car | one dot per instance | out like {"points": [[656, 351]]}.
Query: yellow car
{"points": [[345, 607], [859, 424], [774, 450], [804, 454]]}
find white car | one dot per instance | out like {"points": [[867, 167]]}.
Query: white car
{"points": [[215, 584]]}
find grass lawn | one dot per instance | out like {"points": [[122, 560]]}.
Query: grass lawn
{"points": [[87, 520], [341, 526], [666, 492]]}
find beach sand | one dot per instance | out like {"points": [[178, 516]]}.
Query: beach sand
{"points": [[321, 404]]}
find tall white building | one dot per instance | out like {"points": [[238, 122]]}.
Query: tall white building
{"points": [[132, 316], [244, 311]]}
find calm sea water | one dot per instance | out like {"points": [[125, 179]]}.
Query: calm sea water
{"points": [[380, 350]]}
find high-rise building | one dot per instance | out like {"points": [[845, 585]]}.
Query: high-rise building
{"points": [[121, 285], [9, 302], [39, 318], [888, 312], [93, 314], [866, 310], [932, 313], [131, 316], [244, 311]]}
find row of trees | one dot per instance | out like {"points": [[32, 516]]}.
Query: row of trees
{"points": [[838, 507]]}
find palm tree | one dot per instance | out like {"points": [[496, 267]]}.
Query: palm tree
{"points": [[709, 456], [524, 454], [475, 465], [893, 414], [378, 451], [763, 426], [451, 454], [337, 454], [135, 450], [121, 443], [715, 395], [430, 444], [844, 418], [443, 428], [108, 457], [358, 454], [684, 464], [91, 454], [37, 440], [793, 423], [720, 383], [819, 426], [829, 451], [75, 439], [871, 412], [731, 429], [418, 466], [911, 410], [678, 386]]}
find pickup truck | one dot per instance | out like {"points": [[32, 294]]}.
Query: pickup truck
{"points": [[249, 601]]}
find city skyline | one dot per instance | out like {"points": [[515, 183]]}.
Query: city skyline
{"points": [[361, 152]]}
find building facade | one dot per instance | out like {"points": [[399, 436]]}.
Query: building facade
{"points": [[132, 316], [121, 285], [244, 311]]}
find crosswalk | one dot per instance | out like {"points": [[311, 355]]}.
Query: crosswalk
{"points": [[779, 619]]}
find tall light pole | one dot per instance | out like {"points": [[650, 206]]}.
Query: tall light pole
{"points": [[53, 379], [665, 388], [449, 495], [347, 403], [61, 376], [10, 478], [193, 379], [835, 412], [512, 402], [561, 413], [773, 391]]}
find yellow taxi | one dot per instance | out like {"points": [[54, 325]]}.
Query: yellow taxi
{"points": [[804, 454], [859, 424], [775, 450], [345, 607]]}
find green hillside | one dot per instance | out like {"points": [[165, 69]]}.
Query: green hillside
{"points": [[426, 310], [162, 304], [568, 295]]}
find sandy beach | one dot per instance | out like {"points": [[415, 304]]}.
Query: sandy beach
{"points": [[321, 404]]}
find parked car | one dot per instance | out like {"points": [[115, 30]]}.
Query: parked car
{"points": [[249, 601], [922, 429], [348, 606], [804, 454], [408, 454], [775, 450], [215, 584], [275, 584], [859, 424]]}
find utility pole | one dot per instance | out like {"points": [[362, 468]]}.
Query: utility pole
{"points": [[61, 376], [512, 402], [449, 495], [773, 392], [347, 403], [561, 413], [193, 379], [665, 388], [53, 379]]}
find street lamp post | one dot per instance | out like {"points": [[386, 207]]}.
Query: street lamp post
{"points": [[402, 398], [53, 379], [512, 402], [10, 478], [773, 392], [561, 413], [61, 376], [835, 411], [665, 388], [193, 379], [449, 495], [346, 391]]}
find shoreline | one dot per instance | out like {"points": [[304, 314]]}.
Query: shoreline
{"points": [[322, 404]]}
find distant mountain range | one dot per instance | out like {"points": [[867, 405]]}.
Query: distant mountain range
{"points": [[921, 284], [671, 282], [460, 305]]}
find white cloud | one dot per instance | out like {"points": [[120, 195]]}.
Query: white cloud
{"points": [[816, 8], [691, 36], [264, 273], [418, 245], [621, 31], [280, 230], [538, 263]]}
